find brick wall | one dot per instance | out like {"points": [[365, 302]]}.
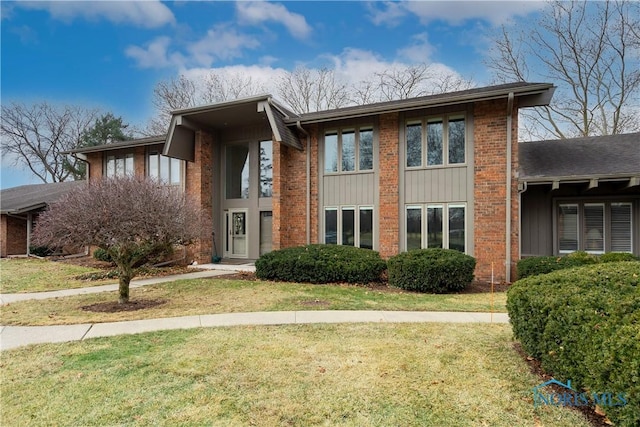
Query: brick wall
{"points": [[490, 157], [389, 180], [13, 236], [95, 166], [199, 189]]}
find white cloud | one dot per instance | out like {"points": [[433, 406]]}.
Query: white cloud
{"points": [[220, 42], [452, 12], [154, 55], [261, 11], [419, 51], [146, 14]]}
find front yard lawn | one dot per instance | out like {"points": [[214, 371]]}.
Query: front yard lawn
{"points": [[216, 295], [303, 375]]}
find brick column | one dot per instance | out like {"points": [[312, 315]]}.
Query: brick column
{"points": [[389, 180], [278, 200], [199, 189]]}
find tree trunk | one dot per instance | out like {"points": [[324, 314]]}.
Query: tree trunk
{"points": [[126, 274]]}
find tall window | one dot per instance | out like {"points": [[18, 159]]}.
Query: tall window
{"points": [[349, 226], [237, 171], [266, 168], [443, 226], [348, 150], [435, 141], [119, 165], [166, 169], [621, 227], [568, 228]]}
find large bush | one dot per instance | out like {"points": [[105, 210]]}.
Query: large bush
{"points": [[546, 264], [321, 264], [617, 257], [583, 324], [431, 270]]}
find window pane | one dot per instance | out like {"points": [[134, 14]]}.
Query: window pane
{"points": [[568, 228], [266, 168], [331, 152], [266, 233], [456, 140], [366, 149], [366, 228], [594, 227], [414, 144], [164, 169], [348, 227], [111, 166], [237, 171], [128, 165], [119, 166], [434, 143], [153, 165], [456, 228], [434, 227], [331, 226], [348, 150], [176, 171], [414, 228], [621, 227]]}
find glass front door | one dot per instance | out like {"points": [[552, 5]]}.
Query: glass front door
{"points": [[237, 233]]}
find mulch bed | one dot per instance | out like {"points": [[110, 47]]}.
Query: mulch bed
{"points": [[115, 307], [596, 419]]}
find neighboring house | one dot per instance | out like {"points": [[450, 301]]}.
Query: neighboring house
{"points": [[580, 194], [434, 171], [19, 209]]}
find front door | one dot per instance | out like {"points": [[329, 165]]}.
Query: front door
{"points": [[237, 236]]}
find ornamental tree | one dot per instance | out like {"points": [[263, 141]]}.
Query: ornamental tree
{"points": [[130, 218]]}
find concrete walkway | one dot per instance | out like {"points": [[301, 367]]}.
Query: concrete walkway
{"points": [[17, 336], [9, 298]]}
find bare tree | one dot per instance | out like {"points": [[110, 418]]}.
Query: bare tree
{"points": [[130, 218], [36, 135], [590, 50], [305, 90], [218, 88]]}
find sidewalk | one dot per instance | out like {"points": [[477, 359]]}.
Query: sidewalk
{"points": [[18, 336]]}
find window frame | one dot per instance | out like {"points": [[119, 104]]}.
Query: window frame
{"points": [[424, 223], [120, 156], [181, 173], [356, 209], [424, 122], [356, 130]]}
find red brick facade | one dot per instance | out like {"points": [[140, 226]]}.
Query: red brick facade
{"points": [[389, 213], [490, 163], [13, 236]]}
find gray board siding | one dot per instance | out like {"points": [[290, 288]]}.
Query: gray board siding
{"points": [[436, 185], [351, 189], [537, 222]]}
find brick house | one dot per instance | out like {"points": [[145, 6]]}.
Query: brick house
{"points": [[434, 171], [19, 210]]}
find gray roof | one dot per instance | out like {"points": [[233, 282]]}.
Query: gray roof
{"points": [[580, 158], [152, 140], [26, 198]]}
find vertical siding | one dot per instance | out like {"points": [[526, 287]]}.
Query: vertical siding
{"points": [[352, 189], [537, 222], [436, 185]]}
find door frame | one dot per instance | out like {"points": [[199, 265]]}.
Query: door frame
{"points": [[228, 237]]}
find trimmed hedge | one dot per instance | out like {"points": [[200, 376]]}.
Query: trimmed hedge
{"points": [[546, 264], [583, 324], [321, 264], [431, 270], [617, 257]]}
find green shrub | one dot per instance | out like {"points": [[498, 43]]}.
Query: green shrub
{"points": [[546, 264], [617, 257], [583, 324], [321, 264], [431, 270], [102, 255]]}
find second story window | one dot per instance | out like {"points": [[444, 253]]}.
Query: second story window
{"points": [[348, 150], [435, 141], [165, 169], [119, 165]]}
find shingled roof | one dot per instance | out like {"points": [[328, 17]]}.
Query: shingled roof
{"points": [[580, 158], [25, 198]]}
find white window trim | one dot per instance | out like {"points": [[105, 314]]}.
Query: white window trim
{"points": [[578, 226]]}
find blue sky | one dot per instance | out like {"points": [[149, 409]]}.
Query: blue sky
{"points": [[111, 54]]}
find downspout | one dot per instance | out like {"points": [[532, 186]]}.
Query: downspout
{"points": [[308, 213], [520, 191], [507, 262]]}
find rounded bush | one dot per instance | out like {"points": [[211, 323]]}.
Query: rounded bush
{"points": [[321, 264], [102, 255], [546, 264], [617, 257], [583, 324], [431, 270]]}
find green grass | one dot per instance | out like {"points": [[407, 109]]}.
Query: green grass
{"points": [[302, 375], [35, 275], [208, 296]]}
